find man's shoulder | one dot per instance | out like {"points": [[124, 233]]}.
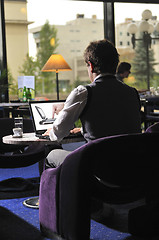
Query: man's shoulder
{"points": [[131, 88], [80, 88], [77, 94], [131, 92], [127, 86]]}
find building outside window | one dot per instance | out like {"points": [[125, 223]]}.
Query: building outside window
{"points": [[16, 24], [74, 36], [76, 27], [137, 56]]}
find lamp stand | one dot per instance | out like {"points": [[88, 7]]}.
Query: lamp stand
{"points": [[57, 85]]}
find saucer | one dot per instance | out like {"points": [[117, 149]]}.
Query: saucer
{"points": [[17, 136]]}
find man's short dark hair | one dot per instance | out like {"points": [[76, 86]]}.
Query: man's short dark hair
{"points": [[123, 67], [103, 55]]}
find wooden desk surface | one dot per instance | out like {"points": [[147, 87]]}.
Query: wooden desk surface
{"points": [[29, 138]]}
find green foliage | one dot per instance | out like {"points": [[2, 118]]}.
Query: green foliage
{"points": [[29, 67], [79, 82], [12, 87], [78, 124], [3, 85], [155, 81], [48, 42], [47, 46], [139, 64], [6, 86]]}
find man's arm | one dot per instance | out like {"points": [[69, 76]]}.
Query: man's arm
{"points": [[66, 118]]}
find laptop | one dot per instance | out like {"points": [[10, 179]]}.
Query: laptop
{"points": [[42, 115]]}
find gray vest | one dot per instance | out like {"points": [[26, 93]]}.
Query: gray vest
{"points": [[112, 108]]}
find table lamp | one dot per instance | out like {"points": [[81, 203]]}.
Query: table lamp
{"points": [[56, 63]]}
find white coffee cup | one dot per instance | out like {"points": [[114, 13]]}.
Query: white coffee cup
{"points": [[17, 132]]}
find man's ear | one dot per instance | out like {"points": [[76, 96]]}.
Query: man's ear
{"points": [[91, 67]]}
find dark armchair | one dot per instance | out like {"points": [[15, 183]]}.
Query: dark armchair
{"points": [[119, 169]]}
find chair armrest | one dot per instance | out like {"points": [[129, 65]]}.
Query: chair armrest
{"points": [[49, 200]]}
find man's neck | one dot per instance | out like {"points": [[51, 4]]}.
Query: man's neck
{"points": [[94, 75], [102, 75]]}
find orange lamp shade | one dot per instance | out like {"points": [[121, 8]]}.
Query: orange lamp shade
{"points": [[56, 63]]}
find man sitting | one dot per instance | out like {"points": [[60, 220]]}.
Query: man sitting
{"points": [[105, 107]]}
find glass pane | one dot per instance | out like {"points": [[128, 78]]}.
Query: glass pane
{"points": [[144, 57], [35, 29]]}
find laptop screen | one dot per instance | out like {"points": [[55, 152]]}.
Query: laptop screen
{"points": [[44, 113]]}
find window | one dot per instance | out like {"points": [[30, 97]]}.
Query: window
{"points": [[153, 42], [27, 21], [23, 25], [71, 38], [80, 63], [83, 73], [133, 14]]}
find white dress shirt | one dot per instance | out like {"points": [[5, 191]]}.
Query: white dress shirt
{"points": [[65, 120]]}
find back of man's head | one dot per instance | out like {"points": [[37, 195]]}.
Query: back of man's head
{"points": [[103, 55], [123, 67]]}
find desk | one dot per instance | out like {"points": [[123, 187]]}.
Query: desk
{"points": [[29, 138]]}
